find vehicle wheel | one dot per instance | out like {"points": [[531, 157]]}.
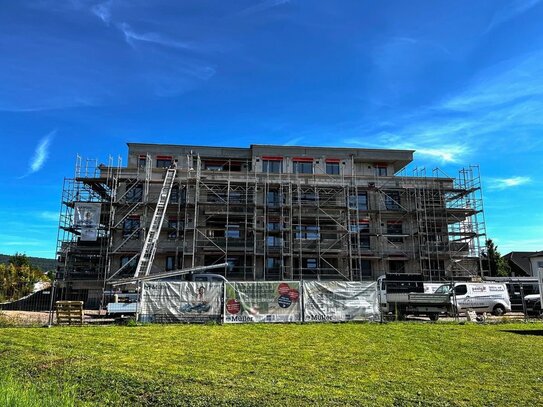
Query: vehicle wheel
{"points": [[434, 316], [400, 316], [498, 310], [538, 311]]}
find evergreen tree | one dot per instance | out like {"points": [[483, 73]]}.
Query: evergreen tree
{"points": [[494, 262]]}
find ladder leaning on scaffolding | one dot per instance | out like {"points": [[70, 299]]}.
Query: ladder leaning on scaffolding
{"points": [[149, 247]]}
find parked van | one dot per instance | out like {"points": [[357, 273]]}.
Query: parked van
{"points": [[518, 288], [479, 297]]}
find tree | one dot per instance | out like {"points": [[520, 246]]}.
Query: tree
{"points": [[17, 278], [19, 260], [494, 262]]}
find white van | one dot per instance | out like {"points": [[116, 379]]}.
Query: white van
{"points": [[479, 297]]}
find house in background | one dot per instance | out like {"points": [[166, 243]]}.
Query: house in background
{"points": [[524, 264], [519, 262], [536, 262]]}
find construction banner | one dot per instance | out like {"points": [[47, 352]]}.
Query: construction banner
{"points": [[172, 301], [87, 219], [87, 215], [262, 302], [339, 301]]}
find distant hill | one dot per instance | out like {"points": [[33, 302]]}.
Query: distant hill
{"points": [[43, 264]]}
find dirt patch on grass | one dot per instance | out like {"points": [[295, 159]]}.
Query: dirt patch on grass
{"points": [[23, 318]]}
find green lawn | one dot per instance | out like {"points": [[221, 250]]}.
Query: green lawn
{"points": [[329, 364]]}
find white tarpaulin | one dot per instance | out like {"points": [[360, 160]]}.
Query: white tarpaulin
{"points": [[183, 301], [338, 301], [87, 214], [87, 219], [89, 235], [262, 302]]}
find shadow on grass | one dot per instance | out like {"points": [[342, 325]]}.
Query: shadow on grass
{"points": [[532, 332]]}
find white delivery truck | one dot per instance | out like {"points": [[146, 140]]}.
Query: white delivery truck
{"points": [[478, 297]]}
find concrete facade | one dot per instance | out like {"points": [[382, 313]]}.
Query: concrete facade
{"points": [[274, 213]]}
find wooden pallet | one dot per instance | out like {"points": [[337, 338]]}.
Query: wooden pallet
{"points": [[69, 312]]}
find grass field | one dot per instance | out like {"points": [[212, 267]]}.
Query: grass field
{"points": [[396, 364]]}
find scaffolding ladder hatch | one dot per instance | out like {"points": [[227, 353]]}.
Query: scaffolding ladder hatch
{"points": [[149, 247]]}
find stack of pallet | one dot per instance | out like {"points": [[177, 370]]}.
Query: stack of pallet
{"points": [[69, 312]]}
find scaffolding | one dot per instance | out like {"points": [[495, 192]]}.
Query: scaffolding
{"points": [[273, 226]]}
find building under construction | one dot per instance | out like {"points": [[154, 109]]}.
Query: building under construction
{"points": [[270, 212]]}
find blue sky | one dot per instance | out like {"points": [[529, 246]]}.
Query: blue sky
{"points": [[461, 82]]}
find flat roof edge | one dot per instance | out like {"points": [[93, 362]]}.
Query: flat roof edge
{"points": [[390, 150]]}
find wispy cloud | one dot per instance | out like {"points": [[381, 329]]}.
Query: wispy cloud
{"points": [[132, 37], [504, 99], [517, 242], [503, 83], [262, 6], [103, 11], [510, 10], [446, 154], [40, 154], [505, 183], [49, 216], [293, 141]]}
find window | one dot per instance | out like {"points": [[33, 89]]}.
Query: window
{"points": [[365, 268], [131, 225], [174, 227], [461, 289], [142, 161], [213, 167], [309, 232], [272, 166], [444, 289], [273, 263], [302, 167], [234, 166], [216, 197], [311, 263], [274, 241], [232, 263], [364, 226], [170, 263], [174, 195], [232, 231], [396, 266], [392, 200], [130, 265], [359, 201], [364, 230], [304, 198], [134, 194], [332, 168], [381, 170], [235, 197], [394, 228], [177, 195], [273, 198], [273, 226], [164, 161]]}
